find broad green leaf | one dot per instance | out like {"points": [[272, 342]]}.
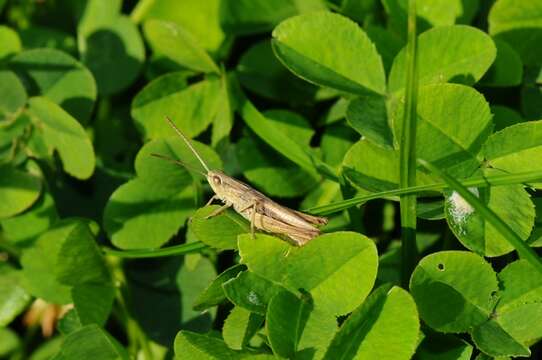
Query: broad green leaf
{"points": [[240, 326], [147, 211], [80, 259], [337, 282], [214, 294], [295, 329], [516, 148], [256, 16], [200, 18], [454, 290], [270, 173], [11, 44], [260, 72], [507, 70], [531, 101], [442, 136], [13, 297], [219, 231], [336, 112], [387, 43], [191, 108], [250, 291], [9, 342], [18, 190], [62, 132], [47, 349], [386, 326], [493, 340], [473, 51], [41, 261], [90, 342], [12, 95], [368, 116], [93, 302], [302, 43], [535, 240], [520, 24], [193, 346], [69, 322], [37, 36], [58, 77], [504, 116], [114, 53], [436, 346], [511, 203], [178, 45], [224, 119]]}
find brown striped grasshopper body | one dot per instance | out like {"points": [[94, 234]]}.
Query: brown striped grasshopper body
{"points": [[262, 212]]}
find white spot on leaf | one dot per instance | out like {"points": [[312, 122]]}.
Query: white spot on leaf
{"points": [[253, 298]]}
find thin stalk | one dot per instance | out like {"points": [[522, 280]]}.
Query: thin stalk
{"points": [[407, 155], [478, 181], [489, 215], [152, 253], [140, 10]]}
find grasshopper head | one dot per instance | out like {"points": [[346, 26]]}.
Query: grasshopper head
{"points": [[218, 181]]}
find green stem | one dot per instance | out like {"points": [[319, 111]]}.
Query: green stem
{"points": [[489, 215], [140, 10], [152, 253], [407, 155], [478, 181]]}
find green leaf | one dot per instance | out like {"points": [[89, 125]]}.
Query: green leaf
{"points": [[454, 290], [192, 346], [250, 291], [219, 231], [214, 294], [62, 132], [243, 17], [11, 44], [41, 261], [37, 36], [18, 190], [90, 342], [147, 211], [80, 259], [389, 313], [511, 203], [191, 108], [200, 18], [113, 52], [13, 297], [338, 282], [520, 285], [302, 43], [9, 342], [436, 346], [504, 117], [12, 95], [294, 328], [387, 43], [473, 53], [368, 116], [507, 70], [240, 326], [516, 148], [58, 77], [336, 141], [494, 341], [260, 72], [178, 45], [93, 302], [520, 24]]}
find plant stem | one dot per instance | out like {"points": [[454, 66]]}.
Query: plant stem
{"points": [[140, 10], [151, 253], [489, 215], [407, 154]]}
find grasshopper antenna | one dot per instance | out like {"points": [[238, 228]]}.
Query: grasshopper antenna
{"points": [[179, 132], [178, 162]]}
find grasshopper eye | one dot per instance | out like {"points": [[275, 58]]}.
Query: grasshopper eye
{"points": [[217, 180]]}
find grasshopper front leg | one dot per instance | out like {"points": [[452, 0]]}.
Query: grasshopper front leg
{"points": [[218, 211]]}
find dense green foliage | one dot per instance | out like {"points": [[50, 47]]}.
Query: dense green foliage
{"points": [[320, 104]]}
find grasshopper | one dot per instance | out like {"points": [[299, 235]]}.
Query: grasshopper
{"points": [[262, 212]]}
